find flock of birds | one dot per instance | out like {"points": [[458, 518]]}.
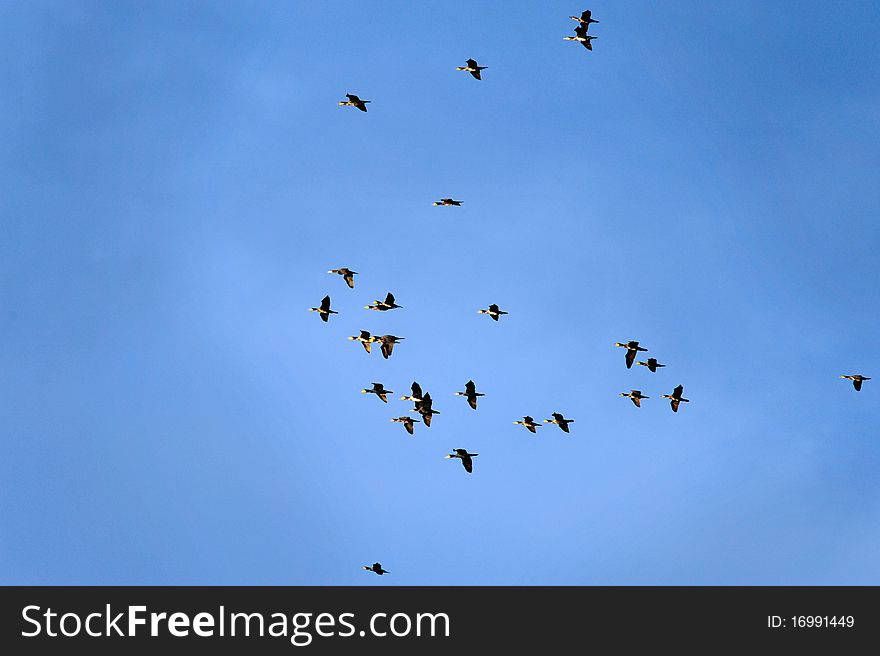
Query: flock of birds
{"points": [[422, 402]]}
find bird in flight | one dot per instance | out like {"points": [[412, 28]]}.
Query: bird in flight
{"points": [[449, 202], [465, 458], [493, 311], [651, 364], [529, 423], [675, 398], [636, 397], [631, 349], [585, 18], [560, 421], [379, 390], [416, 395], [365, 339], [857, 380], [387, 304], [324, 310], [347, 275], [425, 407], [354, 101], [470, 391], [388, 342], [472, 68], [407, 423], [581, 35], [376, 567]]}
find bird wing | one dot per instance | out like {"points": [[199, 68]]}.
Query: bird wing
{"points": [[389, 299], [857, 383], [472, 401], [678, 391], [471, 63], [386, 349], [564, 426], [408, 425], [630, 358], [468, 463], [675, 403], [349, 279], [366, 346], [427, 419], [636, 400], [383, 396], [416, 390], [587, 44], [325, 304], [476, 74], [493, 308], [470, 387], [531, 429]]}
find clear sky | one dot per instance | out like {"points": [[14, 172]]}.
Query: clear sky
{"points": [[177, 178]]}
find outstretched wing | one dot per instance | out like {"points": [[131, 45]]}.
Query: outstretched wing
{"points": [[468, 463], [630, 358], [472, 402], [675, 403], [416, 390], [349, 279]]}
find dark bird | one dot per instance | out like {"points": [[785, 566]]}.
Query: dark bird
{"points": [[465, 458], [529, 423], [448, 202], [636, 397], [416, 395], [425, 407], [675, 398], [387, 304], [857, 380], [407, 423], [354, 101], [560, 421], [651, 364], [472, 68], [347, 275], [493, 311], [388, 342], [585, 18], [365, 339], [470, 391], [324, 311], [379, 390], [631, 349], [376, 567], [582, 36]]}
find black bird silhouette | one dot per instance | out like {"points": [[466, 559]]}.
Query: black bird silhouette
{"points": [[651, 364], [387, 304], [379, 390], [365, 339], [585, 18], [631, 349], [347, 275], [416, 395], [529, 423], [560, 421], [426, 409], [354, 101], [470, 391], [636, 397], [472, 68], [581, 35], [493, 311], [675, 398], [407, 423], [376, 567], [465, 458], [857, 380], [448, 202], [324, 310], [388, 342]]}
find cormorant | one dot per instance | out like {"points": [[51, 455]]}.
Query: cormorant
{"points": [[347, 275], [416, 395], [388, 342], [582, 36], [407, 423], [470, 391], [675, 398], [365, 339], [387, 304], [376, 567], [324, 310], [585, 18], [651, 364], [636, 397], [379, 390], [857, 380], [465, 458], [448, 202], [560, 421], [529, 423], [472, 68], [631, 349], [493, 311], [354, 101]]}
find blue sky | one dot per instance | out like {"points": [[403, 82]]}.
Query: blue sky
{"points": [[177, 178]]}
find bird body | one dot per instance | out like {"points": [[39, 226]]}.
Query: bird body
{"points": [[365, 339], [376, 567], [324, 309], [448, 202], [529, 423], [675, 398], [857, 380], [651, 364], [347, 275], [387, 304], [493, 311], [636, 397], [470, 391], [407, 423], [379, 390], [472, 68], [560, 421], [465, 458], [388, 342], [354, 101], [632, 347]]}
